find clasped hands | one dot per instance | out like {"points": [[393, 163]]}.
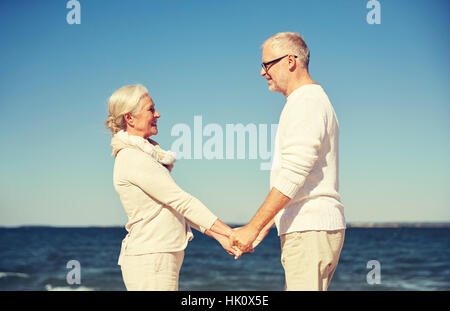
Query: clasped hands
{"points": [[242, 240]]}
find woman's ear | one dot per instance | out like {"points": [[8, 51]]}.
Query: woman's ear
{"points": [[129, 120]]}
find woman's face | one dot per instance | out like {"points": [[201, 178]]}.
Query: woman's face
{"points": [[145, 121]]}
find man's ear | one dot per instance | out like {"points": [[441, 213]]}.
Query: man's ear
{"points": [[292, 63], [129, 119]]}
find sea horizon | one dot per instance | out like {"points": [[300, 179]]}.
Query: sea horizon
{"points": [[410, 258], [387, 224]]}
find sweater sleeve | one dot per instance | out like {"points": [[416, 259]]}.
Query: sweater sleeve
{"points": [[147, 174], [301, 130], [197, 227]]}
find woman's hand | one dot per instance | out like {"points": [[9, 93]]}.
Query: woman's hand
{"points": [[221, 232], [224, 241]]}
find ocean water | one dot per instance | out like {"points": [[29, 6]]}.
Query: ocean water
{"points": [[35, 258]]}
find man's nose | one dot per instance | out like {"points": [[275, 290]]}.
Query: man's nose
{"points": [[263, 72], [157, 115]]}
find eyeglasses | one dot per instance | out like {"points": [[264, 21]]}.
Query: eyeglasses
{"points": [[266, 64]]}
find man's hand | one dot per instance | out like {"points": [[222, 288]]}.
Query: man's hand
{"points": [[230, 249], [244, 237], [221, 232]]}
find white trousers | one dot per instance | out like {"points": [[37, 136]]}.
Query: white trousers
{"points": [[152, 272]]}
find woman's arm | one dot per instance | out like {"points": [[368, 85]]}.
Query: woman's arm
{"points": [[220, 232], [155, 181], [221, 228]]}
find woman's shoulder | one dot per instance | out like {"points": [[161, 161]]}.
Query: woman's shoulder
{"points": [[132, 164], [135, 159], [131, 153]]}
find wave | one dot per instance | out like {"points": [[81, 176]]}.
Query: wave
{"points": [[48, 287], [13, 274]]}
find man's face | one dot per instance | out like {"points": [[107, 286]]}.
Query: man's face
{"points": [[276, 73]]}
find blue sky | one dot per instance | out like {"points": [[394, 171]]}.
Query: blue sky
{"points": [[388, 84]]}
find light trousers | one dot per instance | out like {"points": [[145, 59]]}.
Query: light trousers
{"points": [[309, 258], [152, 272]]}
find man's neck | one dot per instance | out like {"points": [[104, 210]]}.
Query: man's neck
{"points": [[297, 83]]}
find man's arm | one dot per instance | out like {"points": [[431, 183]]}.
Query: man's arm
{"points": [[301, 130], [244, 237], [263, 233]]}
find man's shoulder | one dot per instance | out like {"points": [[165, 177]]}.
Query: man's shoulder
{"points": [[311, 98], [309, 90], [307, 94]]}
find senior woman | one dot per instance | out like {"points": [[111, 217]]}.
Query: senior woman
{"points": [[159, 212]]}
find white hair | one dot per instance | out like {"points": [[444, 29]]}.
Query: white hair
{"points": [[290, 43], [122, 101]]}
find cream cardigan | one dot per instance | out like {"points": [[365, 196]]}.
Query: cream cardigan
{"points": [[159, 212]]}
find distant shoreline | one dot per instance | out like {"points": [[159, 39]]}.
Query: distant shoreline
{"points": [[349, 225], [400, 225]]}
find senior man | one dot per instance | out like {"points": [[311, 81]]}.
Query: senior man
{"points": [[303, 200]]}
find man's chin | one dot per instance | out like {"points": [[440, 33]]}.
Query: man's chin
{"points": [[273, 88]]}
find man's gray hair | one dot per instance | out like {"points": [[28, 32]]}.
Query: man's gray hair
{"points": [[290, 43]]}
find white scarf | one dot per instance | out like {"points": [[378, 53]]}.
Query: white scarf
{"points": [[162, 156]]}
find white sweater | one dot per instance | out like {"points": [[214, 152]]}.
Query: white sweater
{"points": [[159, 211], [305, 163]]}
